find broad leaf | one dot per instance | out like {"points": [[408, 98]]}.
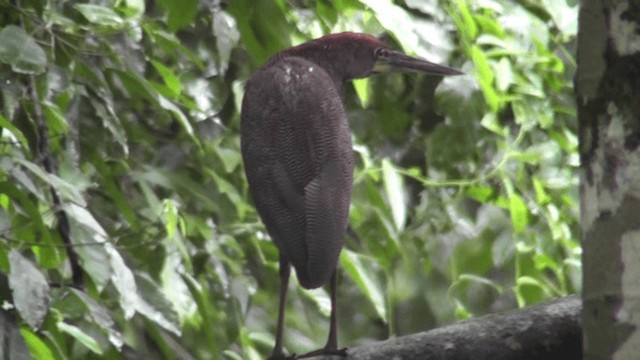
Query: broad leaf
{"points": [[29, 288], [19, 50]]}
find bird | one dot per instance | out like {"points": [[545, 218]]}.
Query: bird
{"points": [[298, 158]]}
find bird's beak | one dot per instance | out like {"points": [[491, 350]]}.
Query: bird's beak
{"points": [[397, 61]]}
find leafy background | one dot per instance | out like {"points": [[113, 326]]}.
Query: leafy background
{"points": [[122, 117]]}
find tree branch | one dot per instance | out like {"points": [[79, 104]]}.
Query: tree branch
{"points": [[44, 153], [551, 330]]}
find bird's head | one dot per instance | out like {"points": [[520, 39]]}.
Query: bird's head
{"points": [[353, 56], [349, 55]]}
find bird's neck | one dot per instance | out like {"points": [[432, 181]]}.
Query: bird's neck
{"points": [[324, 59]]}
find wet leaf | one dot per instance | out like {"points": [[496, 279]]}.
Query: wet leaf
{"points": [[29, 289], [6, 124], [227, 36], [181, 13], [66, 190], [101, 316], [360, 275], [100, 15], [90, 238], [19, 50], [153, 304], [81, 336], [394, 187]]}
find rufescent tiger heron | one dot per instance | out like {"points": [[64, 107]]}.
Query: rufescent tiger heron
{"points": [[298, 157]]}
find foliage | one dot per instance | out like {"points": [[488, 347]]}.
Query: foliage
{"points": [[123, 116]]}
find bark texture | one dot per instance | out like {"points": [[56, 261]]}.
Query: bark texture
{"points": [[607, 94], [545, 331]]}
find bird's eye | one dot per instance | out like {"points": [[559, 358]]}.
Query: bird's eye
{"points": [[381, 53]]}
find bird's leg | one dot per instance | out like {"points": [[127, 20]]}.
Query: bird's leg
{"points": [[332, 342], [285, 271]]}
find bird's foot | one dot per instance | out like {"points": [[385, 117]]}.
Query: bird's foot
{"points": [[282, 357], [325, 352]]}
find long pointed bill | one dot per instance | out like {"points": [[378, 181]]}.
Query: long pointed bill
{"points": [[397, 61]]}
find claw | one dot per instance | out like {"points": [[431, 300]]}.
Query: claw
{"points": [[335, 352], [282, 357]]}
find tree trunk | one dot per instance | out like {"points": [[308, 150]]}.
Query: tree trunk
{"points": [[608, 98]]}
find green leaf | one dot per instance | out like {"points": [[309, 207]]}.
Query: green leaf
{"points": [[123, 280], [394, 187], [523, 114], [529, 289], [504, 74], [544, 261], [29, 288], [181, 12], [321, 299], [66, 190], [147, 300], [6, 124], [100, 15], [134, 8], [479, 280], [485, 76], [153, 304], [179, 116], [169, 42], [101, 317], [38, 348], [110, 120], [84, 218], [395, 19], [542, 197], [530, 156], [230, 158], [481, 193], [81, 336], [56, 122], [519, 213], [136, 85], [231, 191], [490, 122], [170, 216], [110, 183], [462, 312], [529, 281], [362, 90], [169, 78], [20, 50], [90, 240], [488, 24], [564, 17], [466, 23], [360, 275], [27, 205], [503, 250], [227, 36]]}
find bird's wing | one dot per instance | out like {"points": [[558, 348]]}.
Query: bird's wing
{"points": [[297, 150], [327, 199]]}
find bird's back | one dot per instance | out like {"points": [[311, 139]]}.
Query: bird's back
{"points": [[296, 147]]}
